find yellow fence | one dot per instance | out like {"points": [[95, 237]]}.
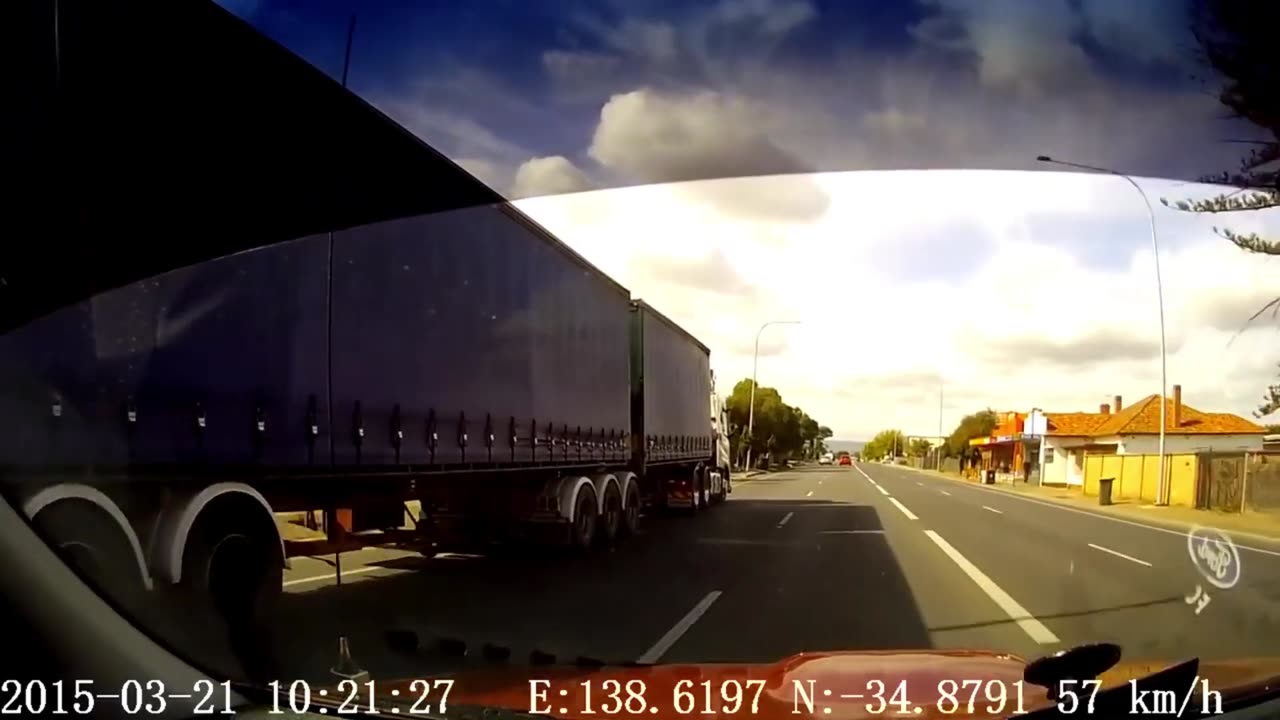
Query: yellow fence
{"points": [[1137, 476]]}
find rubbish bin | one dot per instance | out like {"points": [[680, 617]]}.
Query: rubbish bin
{"points": [[1104, 490], [989, 478]]}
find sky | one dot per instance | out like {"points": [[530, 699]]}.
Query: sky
{"points": [[865, 167]]}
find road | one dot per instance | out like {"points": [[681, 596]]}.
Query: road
{"points": [[864, 557]]}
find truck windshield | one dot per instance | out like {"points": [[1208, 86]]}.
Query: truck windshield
{"points": [[658, 334]]}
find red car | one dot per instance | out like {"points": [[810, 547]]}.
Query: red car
{"points": [[846, 460]]}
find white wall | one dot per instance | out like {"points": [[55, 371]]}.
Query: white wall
{"points": [[1056, 472], [1150, 444]]}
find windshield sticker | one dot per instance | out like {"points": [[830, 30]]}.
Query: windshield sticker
{"points": [[1214, 556]]}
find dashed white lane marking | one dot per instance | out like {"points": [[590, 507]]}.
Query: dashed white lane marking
{"points": [[330, 576], [865, 475], [991, 509], [809, 494], [1100, 516], [919, 484], [882, 490], [1031, 626], [785, 519], [660, 648], [851, 532], [1130, 558], [910, 515], [944, 492]]}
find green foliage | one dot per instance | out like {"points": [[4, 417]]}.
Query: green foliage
{"points": [[884, 444], [781, 430], [975, 425], [1273, 429], [919, 447], [1237, 44]]}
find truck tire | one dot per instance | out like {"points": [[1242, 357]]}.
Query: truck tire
{"points": [[94, 546], [631, 511], [610, 524], [582, 531], [233, 571]]}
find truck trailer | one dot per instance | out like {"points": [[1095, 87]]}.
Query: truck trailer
{"points": [[351, 353]]}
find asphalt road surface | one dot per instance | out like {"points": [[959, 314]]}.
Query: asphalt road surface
{"points": [[851, 558]]}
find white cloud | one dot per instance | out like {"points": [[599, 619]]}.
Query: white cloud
{"points": [[1052, 320], [553, 175]]}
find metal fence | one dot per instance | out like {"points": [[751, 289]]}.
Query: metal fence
{"points": [[1235, 482]]}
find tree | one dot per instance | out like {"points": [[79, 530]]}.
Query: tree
{"points": [[1237, 42], [975, 425], [779, 430], [886, 443], [919, 447]]}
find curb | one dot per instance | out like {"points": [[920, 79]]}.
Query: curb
{"points": [[1165, 523]]}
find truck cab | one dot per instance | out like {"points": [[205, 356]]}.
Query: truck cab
{"points": [[720, 428]]}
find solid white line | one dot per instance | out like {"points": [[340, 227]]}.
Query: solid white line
{"points": [[987, 507], [865, 475], [660, 648], [1100, 516], [882, 490], [944, 492], [1031, 626], [809, 494], [1130, 558], [910, 515], [330, 576], [785, 519]]}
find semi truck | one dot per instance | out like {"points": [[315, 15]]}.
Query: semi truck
{"points": [[351, 352]]}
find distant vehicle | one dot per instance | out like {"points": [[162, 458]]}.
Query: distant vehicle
{"points": [[846, 460], [826, 459]]}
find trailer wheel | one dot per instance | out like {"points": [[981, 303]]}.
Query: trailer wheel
{"points": [[582, 532], [232, 568], [611, 518], [631, 511], [91, 543]]}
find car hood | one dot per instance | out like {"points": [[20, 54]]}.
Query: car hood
{"points": [[841, 673]]}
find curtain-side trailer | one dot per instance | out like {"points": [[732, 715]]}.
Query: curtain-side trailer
{"points": [[347, 345]]}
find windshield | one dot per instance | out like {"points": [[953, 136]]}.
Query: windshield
{"points": [[468, 335]]}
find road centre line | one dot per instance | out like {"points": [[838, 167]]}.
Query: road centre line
{"points": [[660, 648], [785, 519], [944, 492], [1130, 558], [809, 494], [988, 507], [1059, 506], [910, 515], [851, 532], [882, 490], [1031, 626], [919, 484]]}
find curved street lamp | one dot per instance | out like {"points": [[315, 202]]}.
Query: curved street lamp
{"points": [[1155, 250], [755, 363]]}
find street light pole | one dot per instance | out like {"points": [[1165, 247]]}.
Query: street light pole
{"points": [[1163, 485], [755, 364], [941, 387]]}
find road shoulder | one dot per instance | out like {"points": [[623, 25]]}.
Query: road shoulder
{"points": [[1255, 526]]}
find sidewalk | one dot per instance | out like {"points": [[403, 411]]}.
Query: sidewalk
{"points": [[1249, 524]]}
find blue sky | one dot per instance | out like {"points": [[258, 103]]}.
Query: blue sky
{"points": [[826, 84], [1017, 290]]}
